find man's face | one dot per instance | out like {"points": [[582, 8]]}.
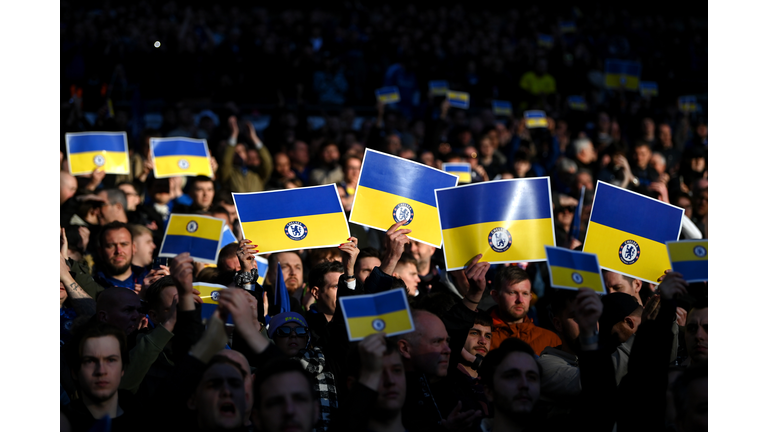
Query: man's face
{"points": [[220, 398], [478, 340], [145, 246], [131, 196], [352, 170], [164, 309], [696, 337], [232, 210], [514, 299], [124, 313], [202, 194], [431, 352], [117, 251], [615, 282], [67, 188], [330, 154], [240, 359], [282, 165], [410, 275], [392, 384], [659, 163], [326, 295], [694, 415], [109, 212], [701, 203], [584, 179], [642, 156], [516, 385], [665, 135], [422, 252], [292, 271], [365, 267], [101, 368], [293, 343], [300, 154], [286, 404]]}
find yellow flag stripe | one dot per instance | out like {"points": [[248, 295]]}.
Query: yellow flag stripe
{"points": [[683, 251], [207, 228], [114, 162], [168, 166], [563, 277], [395, 322], [323, 230]]}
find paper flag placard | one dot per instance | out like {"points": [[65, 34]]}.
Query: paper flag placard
{"points": [[502, 108], [687, 104], [197, 234], [546, 41], [577, 103], [573, 270], [690, 258], [227, 236], [628, 232], [386, 312], [291, 219], [535, 119], [461, 169], [388, 95], [107, 151], [210, 294], [391, 189], [458, 99], [622, 74], [505, 220], [180, 156], [262, 266], [438, 88], [567, 27], [649, 88]]}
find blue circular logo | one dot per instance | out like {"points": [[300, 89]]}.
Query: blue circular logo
{"points": [[296, 230], [700, 251], [192, 226], [99, 160], [499, 239], [215, 296], [183, 164], [577, 278], [378, 324], [629, 252], [403, 212]]}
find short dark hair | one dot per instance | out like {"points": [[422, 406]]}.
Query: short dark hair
{"points": [[496, 356], [272, 260], [277, 367], [226, 253], [318, 272], [509, 276], [353, 357], [112, 226], [74, 351], [198, 179], [483, 318], [152, 295], [407, 258], [367, 252]]}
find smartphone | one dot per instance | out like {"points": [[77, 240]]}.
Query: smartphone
{"points": [[157, 262]]}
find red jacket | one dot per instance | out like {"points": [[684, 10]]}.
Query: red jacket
{"points": [[538, 338]]}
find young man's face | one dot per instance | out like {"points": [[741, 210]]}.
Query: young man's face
{"points": [[101, 368], [392, 385], [286, 404], [696, 336], [478, 340], [220, 398], [145, 247], [202, 194], [410, 275], [326, 295], [365, 266], [516, 384]]}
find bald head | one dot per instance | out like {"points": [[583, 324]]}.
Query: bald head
{"points": [[67, 186], [120, 307]]}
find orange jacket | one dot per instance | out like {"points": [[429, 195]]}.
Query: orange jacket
{"points": [[538, 338]]}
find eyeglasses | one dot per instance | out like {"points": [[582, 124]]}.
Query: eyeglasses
{"points": [[286, 331]]}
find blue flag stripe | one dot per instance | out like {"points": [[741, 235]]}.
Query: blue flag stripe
{"points": [[204, 248], [505, 207], [578, 261], [90, 143], [613, 67], [398, 177], [282, 299], [456, 168], [534, 115], [636, 214], [285, 204], [391, 301], [691, 269], [180, 148]]}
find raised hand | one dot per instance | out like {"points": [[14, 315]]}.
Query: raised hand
{"points": [[394, 244], [349, 255], [475, 274]]}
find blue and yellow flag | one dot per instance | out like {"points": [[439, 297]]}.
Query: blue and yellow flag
{"points": [[622, 74], [502, 108], [577, 103], [545, 41], [290, 219], [458, 99], [197, 234], [388, 95], [629, 231], [392, 189], [180, 157], [535, 119], [690, 258], [107, 151], [262, 265], [386, 312], [573, 270], [687, 104], [649, 88], [576, 222], [438, 88], [227, 236], [460, 169], [505, 220], [567, 27], [210, 294]]}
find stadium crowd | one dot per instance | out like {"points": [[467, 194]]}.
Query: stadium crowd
{"points": [[495, 347]]}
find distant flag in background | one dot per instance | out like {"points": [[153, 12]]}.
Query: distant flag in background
{"points": [[458, 99], [460, 169], [388, 95], [649, 88], [438, 88], [622, 74], [535, 119], [180, 156], [107, 151], [577, 103], [576, 222], [502, 108]]}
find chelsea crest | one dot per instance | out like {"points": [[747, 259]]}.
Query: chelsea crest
{"points": [[403, 212], [192, 226], [296, 230], [499, 239], [629, 252]]}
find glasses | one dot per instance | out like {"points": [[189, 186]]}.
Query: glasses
{"points": [[286, 331]]}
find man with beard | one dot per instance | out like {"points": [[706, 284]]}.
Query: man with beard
{"points": [[116, 250]]}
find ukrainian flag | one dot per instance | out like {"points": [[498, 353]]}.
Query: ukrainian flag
{"points": [[388, 95], [438, 88], [227, 236], [628, 232], [573, 270], [197, 234], [385, 312], [458, 99], [505, 220], [391, 189], [622, 74], [567, 27], [535, 119], [87, 151], [687, 103], [577, 103], [210, 295], [546, 41], [690, 258], [290, 219], [262, 265], [180, 157], [502, 108], [649, 88], [461, 169]]}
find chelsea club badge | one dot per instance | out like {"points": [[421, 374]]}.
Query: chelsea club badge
{"points": [[183, 164], [192, 226], [296, 230], [499, 239], [403, 212], [629, 252]]}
